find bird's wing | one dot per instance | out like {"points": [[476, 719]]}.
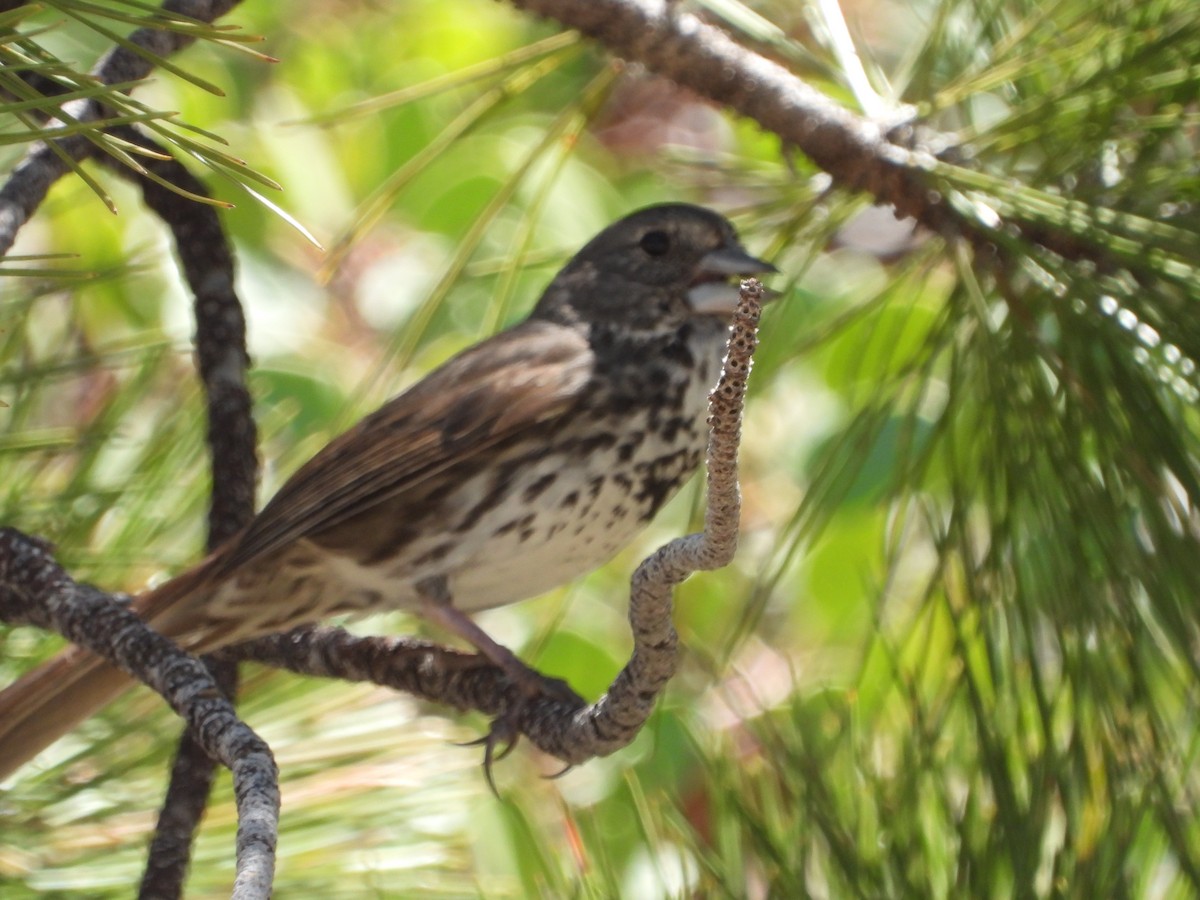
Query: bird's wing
{"points": [[511, 382]]}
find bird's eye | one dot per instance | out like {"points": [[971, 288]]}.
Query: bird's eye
{"points": [[656, 243]]}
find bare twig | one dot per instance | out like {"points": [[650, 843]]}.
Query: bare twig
{"points": [[207, 262], [192, 774], [34, 590], [615, 719]]}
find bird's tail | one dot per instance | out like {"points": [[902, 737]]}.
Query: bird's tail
{"points": [[53, 699]]}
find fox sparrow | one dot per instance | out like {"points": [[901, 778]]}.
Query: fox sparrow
{"points": [[523, 462]]}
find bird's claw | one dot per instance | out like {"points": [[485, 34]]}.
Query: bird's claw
{"points": [[503, 733], [567, 767]]}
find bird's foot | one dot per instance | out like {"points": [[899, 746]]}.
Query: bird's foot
{"points": [[505, 729], [530, 685], [533, 684]]}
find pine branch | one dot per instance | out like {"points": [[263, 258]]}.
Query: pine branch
{"points": [[46, 162]]}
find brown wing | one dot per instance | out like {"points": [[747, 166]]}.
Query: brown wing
{"points": [[519, 378]]}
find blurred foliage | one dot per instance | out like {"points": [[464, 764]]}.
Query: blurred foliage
{"points": [[957, 655]]}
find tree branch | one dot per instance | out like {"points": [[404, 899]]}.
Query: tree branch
{"points": [[34, 590], [855, 151], [891, 160]]}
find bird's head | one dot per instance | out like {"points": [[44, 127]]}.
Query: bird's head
{"points": [[654, 269]]}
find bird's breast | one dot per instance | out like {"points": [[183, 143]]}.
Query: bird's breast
{"points": [[566, 514], [546, 514], [551, 503]]}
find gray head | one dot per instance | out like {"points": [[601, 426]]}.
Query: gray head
{"points": [[653, 270]]}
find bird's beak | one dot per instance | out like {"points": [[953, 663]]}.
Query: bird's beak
{"points": [[711, 292], [733, 261]]}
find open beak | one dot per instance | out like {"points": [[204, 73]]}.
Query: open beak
{"points": [[712, 292]]}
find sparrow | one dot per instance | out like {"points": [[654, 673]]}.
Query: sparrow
{"points": [[522, 463]]}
